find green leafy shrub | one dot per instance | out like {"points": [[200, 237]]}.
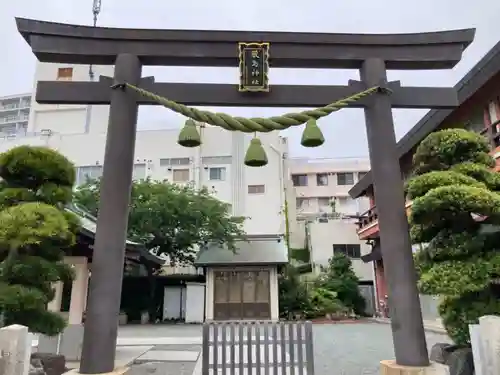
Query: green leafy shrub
{"points": [[294, 297], [34, 231], [453, 184], [299, 298], [340, 278]]}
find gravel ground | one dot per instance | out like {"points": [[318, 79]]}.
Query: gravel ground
{"points": [[355, 349], [339, 349]]}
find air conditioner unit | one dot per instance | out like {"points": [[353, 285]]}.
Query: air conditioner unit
{"points": [[46, 132]]}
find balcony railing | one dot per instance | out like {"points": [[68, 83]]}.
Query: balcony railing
{"points": [[368, 217], [492, 133]]}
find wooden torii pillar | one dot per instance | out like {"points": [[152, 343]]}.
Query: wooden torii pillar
{"points": [[130, 49]]}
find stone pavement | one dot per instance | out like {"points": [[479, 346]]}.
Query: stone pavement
{"points": [[163, 350], [339, 349]]}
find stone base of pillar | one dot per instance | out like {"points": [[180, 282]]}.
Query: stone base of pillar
{"points": [[68, 343], [117, 371], [390, 367]]}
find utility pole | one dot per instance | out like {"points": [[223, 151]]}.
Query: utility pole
{"points": [[96, 9]]}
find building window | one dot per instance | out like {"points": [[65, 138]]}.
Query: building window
{"points": [[174, 161], [299, 179], [180, 175], [92, 172], [345, 178], [217, 174], [302, 203], [322, 179], [352, 251], [361, 175], [256, 189], [64, 74], [139, 172], [211, 160]]}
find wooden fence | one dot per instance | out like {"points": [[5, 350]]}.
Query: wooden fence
{"points": [[257, 348]]}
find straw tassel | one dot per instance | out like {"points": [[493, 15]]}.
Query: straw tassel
{"points": [[189, 135], [256, 155], [312, 135]]}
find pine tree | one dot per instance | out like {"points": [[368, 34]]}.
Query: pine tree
{"points": [[35, 229], [455, 194]]}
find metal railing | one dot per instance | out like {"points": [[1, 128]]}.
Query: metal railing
{"points": [[368, 217], [492, 133]]}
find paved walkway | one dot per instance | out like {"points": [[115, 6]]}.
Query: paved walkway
{"points": [[339, 349], [163, 350], [429, 325]]}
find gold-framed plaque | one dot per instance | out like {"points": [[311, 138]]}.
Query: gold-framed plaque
{"points": [[254, 67]]}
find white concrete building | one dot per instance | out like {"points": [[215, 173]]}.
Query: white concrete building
{"points": [[14, 114], [318, 182], [79, 133], [322, 214]]}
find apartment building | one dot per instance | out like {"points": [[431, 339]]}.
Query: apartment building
{"points": [[79, 132], [14, 114], [322, 185], [325, 216]]}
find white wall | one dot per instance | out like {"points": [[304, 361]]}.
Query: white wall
{"points": [[84, 146], [324, 235], [195, 302], [67, 119], [264, 211]]}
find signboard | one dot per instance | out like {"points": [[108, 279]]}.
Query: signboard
{"points": [[254, 67]]}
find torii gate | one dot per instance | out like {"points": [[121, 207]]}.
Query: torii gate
{"points": [[130, 49]]}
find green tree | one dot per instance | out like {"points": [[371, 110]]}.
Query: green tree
{"points": [[172, 219], [339, 277], [453, 185], [294, 298], [34, 231]]}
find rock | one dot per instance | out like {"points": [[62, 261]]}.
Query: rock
{"points": [[36, 367], [53, 364], [440, 352], [36, 370], [461, 362]]}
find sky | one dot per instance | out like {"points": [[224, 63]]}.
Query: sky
{"points": [[345, 130]]}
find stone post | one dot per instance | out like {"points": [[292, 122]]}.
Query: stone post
{"points": [[392, 368], [489, 328], [15, 350]]}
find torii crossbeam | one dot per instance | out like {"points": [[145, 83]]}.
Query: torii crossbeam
{"points": [[130, 49]]}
